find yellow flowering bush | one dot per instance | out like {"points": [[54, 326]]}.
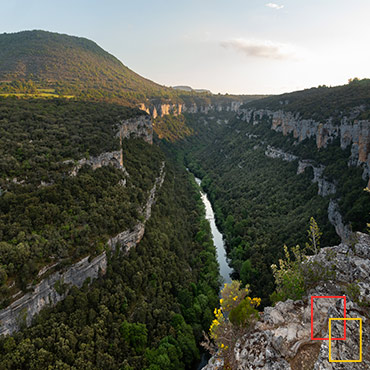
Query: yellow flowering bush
{"points": [[234, 318]]}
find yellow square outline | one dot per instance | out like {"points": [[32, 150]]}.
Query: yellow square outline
{"points": [[345, 318]]}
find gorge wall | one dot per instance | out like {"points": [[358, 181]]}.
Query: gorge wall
{"points": [[138, 127], [351, 132], [325, 187], [163, 109]]}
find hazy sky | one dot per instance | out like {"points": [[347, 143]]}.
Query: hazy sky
{"points": [[234, 46]]}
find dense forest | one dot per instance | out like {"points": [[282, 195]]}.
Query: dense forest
{"points": [[148, 311], [150, 308], [261, 203], [46, 214]]}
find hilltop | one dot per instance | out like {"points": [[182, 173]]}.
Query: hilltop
{"points": [[52, 62]]}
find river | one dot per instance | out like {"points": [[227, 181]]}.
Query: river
{"points": [[218, 241]]}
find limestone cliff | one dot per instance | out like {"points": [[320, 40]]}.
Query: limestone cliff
{"points": [[281, 338], [162, 109], [104, 159], [351, 131], [138, 127], [56, 286]]}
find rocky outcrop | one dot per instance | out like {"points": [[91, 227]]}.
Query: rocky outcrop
{"points": [[278, 153], [129, 238], [105, 159], [336, 220], [281, 338], [325, 187], [48, 292], [162, 109], [352, 132], [138, 127], [55, 287]]}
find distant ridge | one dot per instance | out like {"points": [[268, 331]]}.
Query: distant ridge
{"points": [[188, 88]]}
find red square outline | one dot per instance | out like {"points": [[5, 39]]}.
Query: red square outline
{"points": [[344, 316]]}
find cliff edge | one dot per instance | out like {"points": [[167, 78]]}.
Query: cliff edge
{"points": [[282, 338]]}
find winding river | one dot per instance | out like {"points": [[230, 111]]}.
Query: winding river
{"points": [[218, 241]]}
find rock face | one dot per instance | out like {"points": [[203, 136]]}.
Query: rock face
{"points": [[336, 220], [55, 287], [45, 293], [278, 153], [325, 186], [162, 109], [281, 339], [138, 127], [352, 132], [104, 159], [129, 238]]}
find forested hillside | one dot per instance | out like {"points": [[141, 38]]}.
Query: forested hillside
{"points": [[149, 309], [47, 215], [148, 312], [69, 66]]}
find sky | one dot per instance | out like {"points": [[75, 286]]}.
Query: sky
{"points": [[226, 46]]}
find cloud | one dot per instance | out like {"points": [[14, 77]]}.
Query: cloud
{"points": [[275, 6], [262, 49]]}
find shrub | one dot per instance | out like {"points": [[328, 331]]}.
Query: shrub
{"points": [[235, 317], [289, 278]]}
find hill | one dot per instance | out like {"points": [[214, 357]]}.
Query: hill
{"points": [[46, 62]]}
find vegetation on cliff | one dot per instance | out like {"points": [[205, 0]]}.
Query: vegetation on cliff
{"points": [[323, 102], [48, 216], [235, 317]]}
